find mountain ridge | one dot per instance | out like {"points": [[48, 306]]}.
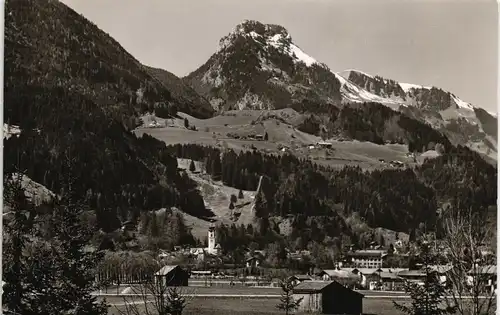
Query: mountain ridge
{"points": [[441, 109], [258, 66], [73, 93]]}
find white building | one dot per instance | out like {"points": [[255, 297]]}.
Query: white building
{"points": [[213, 248]]}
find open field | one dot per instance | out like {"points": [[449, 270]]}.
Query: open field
{"points": [[201, 306], [247, 301], [238, 290], [281, 128]]}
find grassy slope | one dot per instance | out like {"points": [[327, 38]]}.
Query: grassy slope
{"points": [[281, 131], [216, 196]]}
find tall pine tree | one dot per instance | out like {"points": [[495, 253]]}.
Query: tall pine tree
{"points": [[77, 262]]}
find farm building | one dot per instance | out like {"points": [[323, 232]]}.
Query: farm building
{"points": [[172, 276], [368, 279], [417, 276], [328, 297], [388, 281], [344, 277], [296, 279]]}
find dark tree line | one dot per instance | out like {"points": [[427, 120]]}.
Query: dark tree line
{"points": [[117, 172], [397, 199], [379, 124]]}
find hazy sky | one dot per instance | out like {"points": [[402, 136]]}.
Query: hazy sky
{"points": [[448, 44]]}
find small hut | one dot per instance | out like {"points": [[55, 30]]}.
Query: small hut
{"points": [[328, 297], [172, 276]]}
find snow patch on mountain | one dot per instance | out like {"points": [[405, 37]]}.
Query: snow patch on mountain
{"points": [[461, 103], [283, 43], [354, 93], [408, 86], [347, 72], [492, 114]]}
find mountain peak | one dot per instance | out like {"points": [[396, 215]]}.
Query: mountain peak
{"points": [[267, 30], [265, 36]]}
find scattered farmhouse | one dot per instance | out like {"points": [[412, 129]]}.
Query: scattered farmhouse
{"points": [[328, 297], [172, 276]]}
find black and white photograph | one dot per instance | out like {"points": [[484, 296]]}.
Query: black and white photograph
{"points": [[231, 157]]}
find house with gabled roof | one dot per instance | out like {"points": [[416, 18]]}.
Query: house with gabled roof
{"points": [[328, 297], [172, 276]]}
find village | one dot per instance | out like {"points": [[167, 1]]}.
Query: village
{"points": [[362, 272]]}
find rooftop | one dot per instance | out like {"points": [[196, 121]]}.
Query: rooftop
{"points": [[340, 273], [389, 275], [318, 286], [368, 253], [412, 273], [312, 286], [165, 270], [301, 277]]}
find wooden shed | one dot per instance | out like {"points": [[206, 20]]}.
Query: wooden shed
{"points": [[172, 276], [328, 297]]}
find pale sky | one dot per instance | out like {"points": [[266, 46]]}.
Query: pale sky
{"points": [[448, 44]]}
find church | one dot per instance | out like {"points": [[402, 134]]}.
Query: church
{"points": [[213, 248]]}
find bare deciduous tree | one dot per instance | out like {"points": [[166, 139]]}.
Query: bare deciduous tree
{"points": [[154, 297], [469, 286]]}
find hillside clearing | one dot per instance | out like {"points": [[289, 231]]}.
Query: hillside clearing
{"points": [[217, 198], [237, 130]]}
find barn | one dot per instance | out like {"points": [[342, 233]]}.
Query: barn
{"points": [[172, 276], [328, 297]]}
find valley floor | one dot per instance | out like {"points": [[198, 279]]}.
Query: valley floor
{"points": [[242, 306]]}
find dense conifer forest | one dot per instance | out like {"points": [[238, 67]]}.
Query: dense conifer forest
{"points": [[396, 199]]}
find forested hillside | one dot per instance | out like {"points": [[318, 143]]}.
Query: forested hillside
{"points": [[191, 102], [74, 91], [397, 199], [375, 123]]}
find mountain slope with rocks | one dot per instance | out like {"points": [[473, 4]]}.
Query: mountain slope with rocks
{"points": [[258, 66], [183, 94], [460, 121]]}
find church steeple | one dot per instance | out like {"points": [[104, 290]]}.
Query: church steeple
{"points": [[211, 239]]}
